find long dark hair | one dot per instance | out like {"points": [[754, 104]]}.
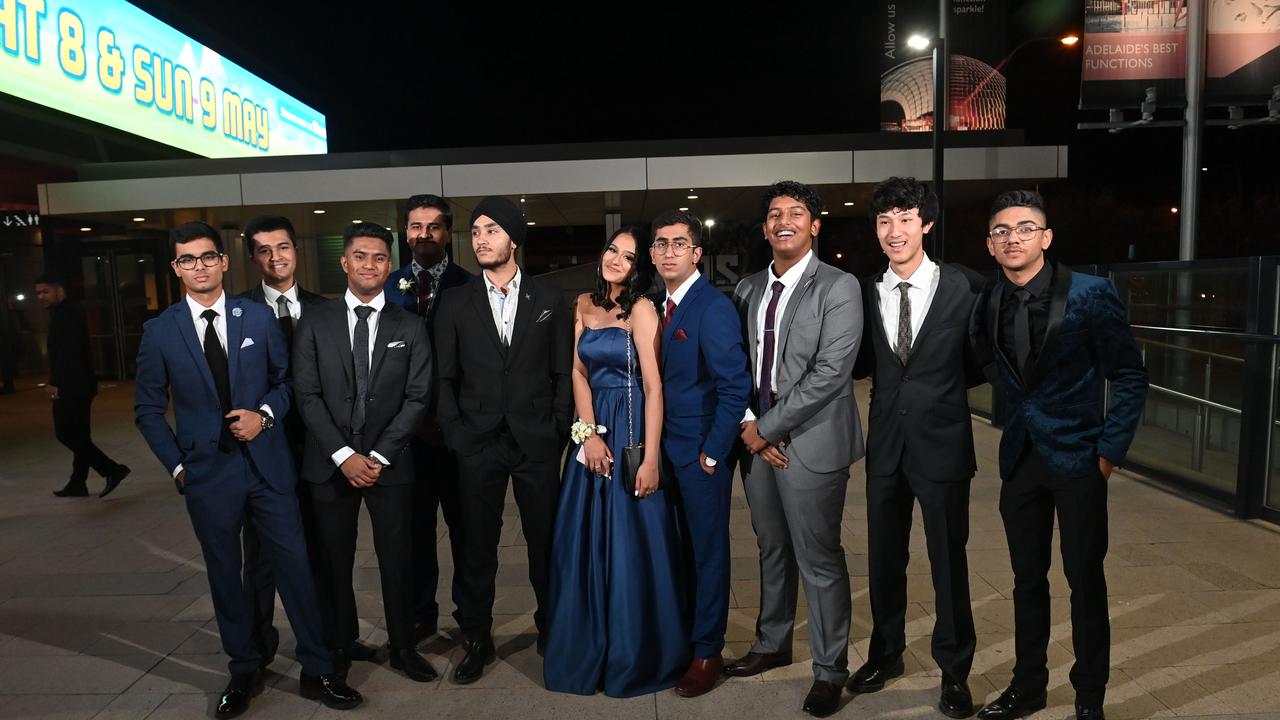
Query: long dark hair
{"points": [[636, 284]]}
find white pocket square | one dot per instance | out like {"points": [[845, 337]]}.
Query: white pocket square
{"points": [[396, 344], [545, 314], [247, 342]]}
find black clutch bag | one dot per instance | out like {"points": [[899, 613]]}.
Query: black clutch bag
{"points": [[633, 454]]}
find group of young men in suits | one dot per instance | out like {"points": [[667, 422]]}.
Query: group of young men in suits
{"points": [[396, 410], [1049, 339]]}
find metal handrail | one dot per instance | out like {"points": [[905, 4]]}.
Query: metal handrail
{"points": [[1193, 351], [1197, 400], [1233, 335]]}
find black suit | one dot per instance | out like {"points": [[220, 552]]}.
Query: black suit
{"points": [[506, 412], [71, 371], [259, 579], [436, 488], [324, 384], [920, 447]]}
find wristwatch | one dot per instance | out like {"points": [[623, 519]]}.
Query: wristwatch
{"points": [[268, 422]]}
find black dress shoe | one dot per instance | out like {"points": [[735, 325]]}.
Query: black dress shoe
{"points": [[72, 489], [873, 674], [823, 699], [479, 654], [414, 666], [329, 689], [754, 663], [113, 480], [1090, 712], [956, 700], [242, 688], [1014, 702]]}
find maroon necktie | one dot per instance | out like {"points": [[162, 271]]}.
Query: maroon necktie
{"points": [[671, 310], [766, 354]]}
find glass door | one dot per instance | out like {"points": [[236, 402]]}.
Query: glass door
{"points": [[123, 288]]}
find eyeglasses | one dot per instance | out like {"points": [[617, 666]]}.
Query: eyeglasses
{"points": [[678, 247], [1003, 235], [209, 259]]}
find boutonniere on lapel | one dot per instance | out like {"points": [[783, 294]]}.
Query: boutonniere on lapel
{"points": [[528, 296], [236, 312], [407, 286]]}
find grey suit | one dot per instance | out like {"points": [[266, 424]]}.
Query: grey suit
{"points": [[796, 512]]}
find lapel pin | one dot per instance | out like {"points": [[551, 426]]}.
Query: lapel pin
{"points": [[236, 312]]}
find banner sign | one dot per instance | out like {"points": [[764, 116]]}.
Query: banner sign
{"points": [[109, 62], [977, 47], [1131, 45]]}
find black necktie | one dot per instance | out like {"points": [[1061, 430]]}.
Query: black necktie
{"points": [[360, 355], [217, 359], [286, 318], [1022, 330], [903, 346]]}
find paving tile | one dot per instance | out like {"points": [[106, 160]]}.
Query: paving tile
{"points": [[75, 674], [56, 707]]}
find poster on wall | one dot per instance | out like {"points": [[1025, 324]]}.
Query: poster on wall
{"points": [[978, 47], [109, 62]]}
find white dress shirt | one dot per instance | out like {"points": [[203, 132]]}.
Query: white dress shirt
{"points": [[678, 296], [503, 305], [378, 303], [272, 295], [924, 285], [790, 279], [220, 329]]}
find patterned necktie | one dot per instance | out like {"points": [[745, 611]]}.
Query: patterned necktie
{"points": [[1022, 330], [285, 317], [903, 347], [671, 310], [426, 292], [360, 356], [766, 354], [216, 356]]}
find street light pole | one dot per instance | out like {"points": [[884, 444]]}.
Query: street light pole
{"points": [[941, 117]]}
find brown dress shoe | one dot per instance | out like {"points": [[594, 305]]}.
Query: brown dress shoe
{"points": [[701, 676], [754, 663]]}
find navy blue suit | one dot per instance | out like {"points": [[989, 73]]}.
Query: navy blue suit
{"points": [[258, 475], [1057, 423], [705, 389]]}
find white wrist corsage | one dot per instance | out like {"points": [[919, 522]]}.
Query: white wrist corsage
{"points": [[581, 430]]}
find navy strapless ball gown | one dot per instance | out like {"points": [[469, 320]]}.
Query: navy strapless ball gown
{"points": [[617, 619]]}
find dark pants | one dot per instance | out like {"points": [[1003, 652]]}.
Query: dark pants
{"points": [[258, 578], [336, 505], [217, 506], [945, 508], [483, 492], [1027, 504], [702, 502], [71, 417], [435, 489]]}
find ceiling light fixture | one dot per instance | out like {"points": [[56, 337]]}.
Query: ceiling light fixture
{"points": [[318, 212]]}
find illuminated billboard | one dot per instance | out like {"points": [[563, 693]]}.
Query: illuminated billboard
{"points": [[109, 62]]}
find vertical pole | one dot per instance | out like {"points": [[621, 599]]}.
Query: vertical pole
{"points": [[941, 118], [1193, 130]]}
